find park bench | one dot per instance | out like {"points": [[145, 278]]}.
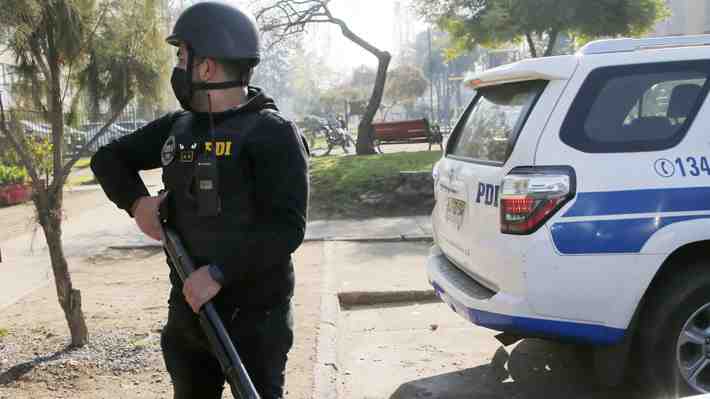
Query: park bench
{"points": [[406, 132]]}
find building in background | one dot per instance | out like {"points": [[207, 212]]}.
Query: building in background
{"points": [[689, 17], [7, 76], [404, 30]]}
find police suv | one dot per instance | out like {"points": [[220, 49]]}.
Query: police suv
{"points": [[573, 203]]}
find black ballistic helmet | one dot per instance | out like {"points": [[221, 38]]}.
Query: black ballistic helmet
{"points": [[218, 30]]}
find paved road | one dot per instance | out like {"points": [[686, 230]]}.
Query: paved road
{"points": [[425, 350]]}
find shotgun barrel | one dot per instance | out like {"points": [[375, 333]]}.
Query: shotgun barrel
{"points": [[239, 381]]}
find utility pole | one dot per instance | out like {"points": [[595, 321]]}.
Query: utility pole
{"points": [[431, 78]]}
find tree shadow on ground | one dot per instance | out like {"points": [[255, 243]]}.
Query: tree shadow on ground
{"points": [[16, 372], [534, 369]]}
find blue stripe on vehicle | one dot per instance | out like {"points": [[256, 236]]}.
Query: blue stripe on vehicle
{"points": [[610, 236], [641, 201], [579, 332]]}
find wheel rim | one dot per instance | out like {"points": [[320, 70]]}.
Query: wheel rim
{"points": [[693, 350]]}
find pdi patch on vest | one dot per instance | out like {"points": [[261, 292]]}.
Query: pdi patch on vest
{"points": [[167, 154], [187, 154]]}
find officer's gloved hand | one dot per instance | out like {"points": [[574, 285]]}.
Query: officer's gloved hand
{"points": [[145, 212]]}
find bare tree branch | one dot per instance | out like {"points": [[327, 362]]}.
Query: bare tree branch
{"points": [[85, 148], [285, 18], [39, 60]]}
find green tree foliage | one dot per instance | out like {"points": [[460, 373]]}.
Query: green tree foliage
{"points": [[359, 86], [309, 78], [406, 83], [363, 76], [127, 57], [273, 72], [444, 70], [12, 175], [497, 22], [111, 49]]}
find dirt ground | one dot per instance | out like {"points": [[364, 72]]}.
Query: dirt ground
{"points": [[124, 295], [20, 219]]}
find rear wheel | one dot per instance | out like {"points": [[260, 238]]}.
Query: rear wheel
{"points": [[675, 333]]}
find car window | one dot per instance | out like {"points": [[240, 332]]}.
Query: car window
{"points": [[489, 128], [636, 108]]}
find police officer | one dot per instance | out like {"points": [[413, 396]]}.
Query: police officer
{"points": [[236, 177]]}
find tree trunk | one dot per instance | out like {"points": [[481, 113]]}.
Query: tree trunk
{"points": [[551, 42], [50, 210], [365, 134], [69, 298], [364, 144], [531, 44]]}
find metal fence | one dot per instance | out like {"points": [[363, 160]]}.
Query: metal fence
{"points": [[78, 132]]}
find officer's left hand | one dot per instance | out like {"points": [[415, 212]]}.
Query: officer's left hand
{"points": [[199, 288]]}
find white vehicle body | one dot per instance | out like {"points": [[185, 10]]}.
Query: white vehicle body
{"points": [[582, 273]]}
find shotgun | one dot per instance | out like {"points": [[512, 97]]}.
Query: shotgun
{"points": [[222, 345]]}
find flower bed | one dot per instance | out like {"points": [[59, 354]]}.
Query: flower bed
{"points": [[13, 189], [12, 194]]}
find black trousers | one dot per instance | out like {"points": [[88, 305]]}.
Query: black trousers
{"points": [[262, 338]]}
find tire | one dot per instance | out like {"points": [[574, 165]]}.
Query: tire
{"points": [[680, 304]]}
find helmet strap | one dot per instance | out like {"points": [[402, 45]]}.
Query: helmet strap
{"points": [[217, 85], [198, 86], [188, 75]]}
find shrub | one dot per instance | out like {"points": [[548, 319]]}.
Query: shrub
{"points": [[12, 175]]}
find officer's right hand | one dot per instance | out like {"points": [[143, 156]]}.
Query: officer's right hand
{"points": [[145, 211]]}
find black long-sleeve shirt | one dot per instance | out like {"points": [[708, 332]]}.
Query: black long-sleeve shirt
{"points": [[263, 186]]}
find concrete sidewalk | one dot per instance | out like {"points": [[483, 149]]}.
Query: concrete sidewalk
{"points": [[360, 275], [376, 273], [26, 265], [394, 339], [377, 229]]}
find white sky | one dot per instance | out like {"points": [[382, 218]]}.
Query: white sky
{"points": [[374, 20]]}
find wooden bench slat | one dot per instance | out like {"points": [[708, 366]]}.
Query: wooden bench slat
{"points": [[403, 132]]}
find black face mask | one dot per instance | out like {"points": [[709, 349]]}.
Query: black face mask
{"points": [[182, 87]]}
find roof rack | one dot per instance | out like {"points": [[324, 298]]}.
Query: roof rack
{"points": [[629, 44]]}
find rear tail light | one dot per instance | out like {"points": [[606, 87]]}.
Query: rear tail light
{"points": [[530, 196]]}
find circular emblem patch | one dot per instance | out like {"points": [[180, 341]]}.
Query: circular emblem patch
{"points": [[664, 167], [167, 154]]}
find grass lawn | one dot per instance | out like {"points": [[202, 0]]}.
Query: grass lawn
{"points": [[81, 180], [338, 182], [82, 163]]}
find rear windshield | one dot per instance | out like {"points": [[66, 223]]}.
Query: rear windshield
{"points": [[488, 130], [647, 107]]}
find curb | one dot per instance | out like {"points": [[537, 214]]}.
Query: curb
{"points": [[371, 298], [399, 238], [325, 370], [136, 247]]}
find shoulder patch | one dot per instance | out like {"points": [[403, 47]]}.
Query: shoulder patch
{"points": [[167, 154]]}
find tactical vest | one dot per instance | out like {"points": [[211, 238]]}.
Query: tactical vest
{"points": [[206, 236]]}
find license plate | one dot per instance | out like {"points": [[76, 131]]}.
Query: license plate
{"points": [[455, 210]]}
